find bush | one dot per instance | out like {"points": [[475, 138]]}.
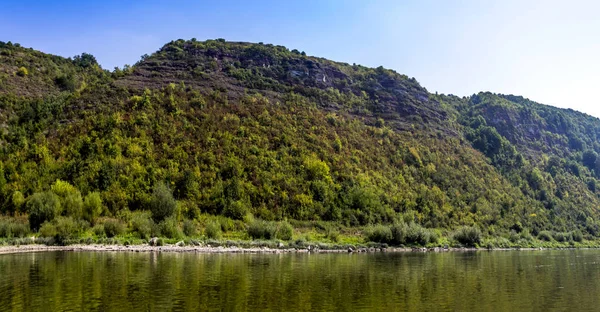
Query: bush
{"points": [[213, 230], [545, 236], [285, 231], [236, 210], [92, 207], [98, 230], [562, 237], [12, 227], [62, 229], [113, 227], [333, 235], [468, 236], [22, 71], [42, 207], [379, 234], [189, 228], [66, 82], [70, 198], [577, 236], [73, 205], [163, 203], [169, 228], [260, 229], [141, 224], [412, 234]]}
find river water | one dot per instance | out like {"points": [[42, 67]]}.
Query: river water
{"points": [[554, 280]]}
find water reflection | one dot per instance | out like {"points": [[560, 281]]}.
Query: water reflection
{"points": [[484, 281]]}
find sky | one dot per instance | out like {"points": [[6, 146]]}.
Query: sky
{"points": [[545, 50]]}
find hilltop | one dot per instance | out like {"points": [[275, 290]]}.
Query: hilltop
{"points": [[256, 140]]}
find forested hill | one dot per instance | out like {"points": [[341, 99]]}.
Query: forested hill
{"points": [[257, 131]]}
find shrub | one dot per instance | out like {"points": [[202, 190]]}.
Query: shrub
{"points": [[92, 207], [73, 205], [169, 228], [577, 236], [17, 200], [545, 236], [163, 203], [12, 227], [468, 236], [48, 230], [61, 229], [22, 71], [284, 231], [141, 224], [333, 235], [412, 234], [562, 237], [260, 229], [70, 198], [42, 207], [236, 210], [98, 230], [189, 228], [379, 234], [213, 230], [66, 82], [113, 227]]}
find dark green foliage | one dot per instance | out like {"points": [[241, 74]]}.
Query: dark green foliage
{"points": [[170, 228], [113, 227], [62, 229], [189, 228], [401, 234], [379, 234], [285, 231], [545, 236], [260, 229], [42, 207], [235, 209], [468, 236], [141, 224], [412, 234], [13, 227], [92, 207], [577, 236], [562, 237], [163, 203], [212, 230]]}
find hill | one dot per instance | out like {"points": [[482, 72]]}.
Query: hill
{"points": [[246, 136]]}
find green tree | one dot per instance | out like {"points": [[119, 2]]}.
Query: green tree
{"points": [[163, 204], [42, 207], [92, 207]]}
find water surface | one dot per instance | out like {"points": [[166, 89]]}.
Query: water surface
{"points": [[454, 281]]}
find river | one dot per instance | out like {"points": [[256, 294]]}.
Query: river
{"points": [[551, 280]]}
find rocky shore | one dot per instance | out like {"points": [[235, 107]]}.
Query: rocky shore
{"points": [[181, 248]]}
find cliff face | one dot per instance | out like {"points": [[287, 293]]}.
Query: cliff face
{"points": [[239, 128]]}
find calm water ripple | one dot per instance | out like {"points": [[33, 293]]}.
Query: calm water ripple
{"points": [[470, 281]]}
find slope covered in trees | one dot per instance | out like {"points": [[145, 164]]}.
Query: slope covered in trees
{"points": [[205, 137]]}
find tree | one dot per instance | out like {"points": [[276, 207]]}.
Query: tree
{"points": [[42, 207], [85, 60], [588, 158], [92, 207], [163, 204]]}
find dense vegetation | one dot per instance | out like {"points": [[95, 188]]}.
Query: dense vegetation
{"points": [[236, 140]]}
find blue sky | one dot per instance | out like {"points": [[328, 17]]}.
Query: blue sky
{"points": [[544, 50]]}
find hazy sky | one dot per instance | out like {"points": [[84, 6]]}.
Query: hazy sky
{"points": [[545, 50]]}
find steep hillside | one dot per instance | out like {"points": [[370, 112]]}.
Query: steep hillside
{"points": [[254, 131]]}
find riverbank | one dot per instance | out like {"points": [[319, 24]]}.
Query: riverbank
{"points": [[208, 249]]}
